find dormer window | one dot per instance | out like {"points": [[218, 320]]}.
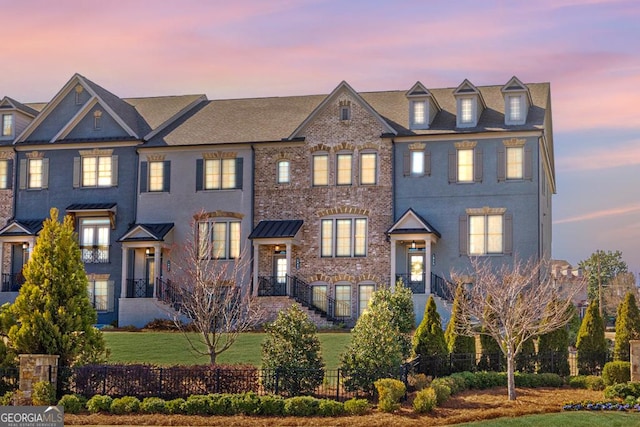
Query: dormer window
{"points": [[422, 107], [7, 124], [516, 102], [419, 117], [97, 120], [515, 108], [466, 110]]}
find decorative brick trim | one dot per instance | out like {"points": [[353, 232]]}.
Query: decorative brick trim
{"points": [[417, 146], [215, 155], [155, 157], [342, 277], [349, 210], [344, 146], [217, 214], [95, 276], [486, 210], [96, 152], [514, 142], [368, 277], [282, 156], [465, 145], [35, 155], [320, 147], [369, 146], [6, 155], [319, 277]]}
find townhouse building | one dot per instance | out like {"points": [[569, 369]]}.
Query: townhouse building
{"points": [[324, 197]]}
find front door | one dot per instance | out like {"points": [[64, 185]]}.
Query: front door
{"points": [[280, 273], [416, 272], [150, 273]]}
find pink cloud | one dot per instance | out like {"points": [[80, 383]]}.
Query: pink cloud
{"points": [[605, 213], [594, 158]]}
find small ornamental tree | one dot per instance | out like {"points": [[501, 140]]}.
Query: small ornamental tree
{"points": [[374, 351], [52, 313], [428, 340], [462, 348], [591, 343], [553, 348], [400, 301], [627, 327], [291, 351]]}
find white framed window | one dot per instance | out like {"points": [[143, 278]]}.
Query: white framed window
{"points": [[345, 113], [417, 163], [343, 300], [368, 168], [365, 292], [101, 294], [466, 110], [343, 237], [515, 162], [419, 113], [283, 172], [319, 296], [95, 240], [515, 108], [156, 176], [219, 174], [219, 239], [35, 173], [465, 165], [96, 171], [320, 170], [344, 163], [486, 234], [5, 179], [7, 124]]}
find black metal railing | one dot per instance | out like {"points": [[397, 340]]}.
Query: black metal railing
{"points": [[440, 287], [139, 288], [415, 282], [168, 293], [95, 254], [302, 292], [12, 282]]}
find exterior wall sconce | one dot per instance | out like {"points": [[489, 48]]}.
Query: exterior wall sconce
{"points": [[25, 245], [277, 248], [413, 244], [148, 251]]}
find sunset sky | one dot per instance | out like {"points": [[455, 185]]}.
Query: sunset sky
{"points": [[589, 50]]}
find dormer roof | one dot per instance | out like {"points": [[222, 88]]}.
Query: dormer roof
{"points": [[514, 85], [467, 88], [12, 104]]}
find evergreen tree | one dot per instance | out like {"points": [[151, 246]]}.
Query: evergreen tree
{"points": [[53, 313], [526, 359], [627, 327], [428, 341], [491, 356], [591, 343], [553, 348], [374, 351], [462, 348], [401, 303], [293, 348]]}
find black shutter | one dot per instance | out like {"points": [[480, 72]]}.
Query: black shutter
{"points": [[114, 171], [463, 232], [477, 167], [45, 173], [406, 163], [239, 173], [508, 234], [528, 164], [76, 172], [199, 174], [23, 173], [501, 164], [166, 176], [453, 163], [427, 163], [144, 176], [9, 174]]}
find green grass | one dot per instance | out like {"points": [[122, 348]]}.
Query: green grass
{"points": [[565, 419], [172, 348]]}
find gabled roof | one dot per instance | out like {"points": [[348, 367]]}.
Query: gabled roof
{"points": [[271, 229], [343, 86], [147, 232], [515, 85], [22, 227], [411, 222], [468, 88], [11, 103]]}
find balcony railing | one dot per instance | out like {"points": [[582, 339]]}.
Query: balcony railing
{"points": [[95, 254], [12, 282], [302, 292], [441, 287], [417, 283], [139, 288]]}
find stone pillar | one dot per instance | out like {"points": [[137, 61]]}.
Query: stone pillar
{"points": [[635, 359], [35, 368]]}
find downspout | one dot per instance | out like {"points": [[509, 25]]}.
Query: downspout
{"points": [[251, 205]]}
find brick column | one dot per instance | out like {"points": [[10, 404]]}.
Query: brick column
{"points": [[35, 368], [635, 359]]}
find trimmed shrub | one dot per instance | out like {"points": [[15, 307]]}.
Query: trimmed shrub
{"points": [[589, 382], [72, 403], [223, 404], [400, 301], [486, 380], [622, 391], [246, 403], [153, 405], [197, 404], [390, 391], [443, 392], [292, 348], [271, 405], [451, 383], [425, 401], [591, 343], [356, 406], [99, 403], [616, 372], [627, 327], [330, 408], [175, 406], [418, 381], [428, 340], [301, 406], [6, 399], [43, 394], [463, 380], [125, 405]]}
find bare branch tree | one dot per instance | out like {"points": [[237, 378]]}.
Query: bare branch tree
{"points": [[210, 292], [511, 302]]}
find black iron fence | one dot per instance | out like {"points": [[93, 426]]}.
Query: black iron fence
{"points": [[11, 282], [139, 288]]}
